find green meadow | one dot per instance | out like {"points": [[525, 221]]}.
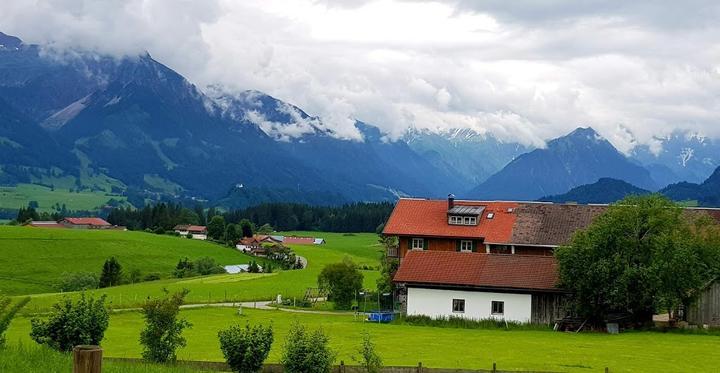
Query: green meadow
{"points": [[34, 259], [38, 257], [435, 347], [14, 197]]}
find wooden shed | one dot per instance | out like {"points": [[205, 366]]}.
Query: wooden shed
{"points": [[706, 311]]}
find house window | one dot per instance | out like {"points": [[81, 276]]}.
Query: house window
{"points": [[458, 305], [466, 246], [418, 244], [462, 220], [498, 307], [490, 215]]}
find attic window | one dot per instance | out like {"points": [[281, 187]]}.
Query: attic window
{"points": [[462, 220], [490, 215]]}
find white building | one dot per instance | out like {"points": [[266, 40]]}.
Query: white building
{"points": [[198, 232], [442, 284]]}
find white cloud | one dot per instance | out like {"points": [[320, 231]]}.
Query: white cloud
{"points": [[523, 70]]}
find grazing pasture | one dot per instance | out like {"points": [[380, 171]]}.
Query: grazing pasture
{"points": [[14, 197], [435, 347], [34, 259], [38, 257]]}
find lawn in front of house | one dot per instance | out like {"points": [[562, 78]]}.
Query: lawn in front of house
{"points": [[435, 347]]}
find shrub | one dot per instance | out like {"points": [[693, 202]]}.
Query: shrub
{"points": [[159, 230], [111, 273], [7, 314], [207, 266], [152, 276], [184, 268], [245, 349], [307, 352], [163, 331], [70, 324], [78, 281], [134, 276], [342, 281], [189, 235], [369, 359], [253, 267], [468, 323]]}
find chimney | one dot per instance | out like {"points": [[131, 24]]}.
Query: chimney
{"points": [[451, 201]]}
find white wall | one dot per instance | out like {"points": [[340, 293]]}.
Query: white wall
{"points": [[438, 303]]}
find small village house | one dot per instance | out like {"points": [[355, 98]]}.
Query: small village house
{"points": [[254, 244], [198, 232]]}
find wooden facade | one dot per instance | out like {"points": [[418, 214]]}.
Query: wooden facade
{"points": [[453, 244], [706, 311], [548, 307]]}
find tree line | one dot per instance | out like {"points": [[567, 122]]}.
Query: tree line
{"points": [[355, 217]]}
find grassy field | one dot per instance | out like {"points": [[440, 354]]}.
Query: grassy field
{"points": [[31, 358], [33, 259], [19, 196], [44, 254], [435, 347]]}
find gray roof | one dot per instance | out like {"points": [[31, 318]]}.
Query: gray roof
{"points": [[467, 210]]}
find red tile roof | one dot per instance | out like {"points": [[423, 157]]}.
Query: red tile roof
{"points": [[298, 240], [519, 272], [86, 221], [423, 217]]}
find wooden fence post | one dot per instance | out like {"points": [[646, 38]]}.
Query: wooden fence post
{"points": [[494, 370], [419, 367], [87, 359], [342, 366], [607, 370]]}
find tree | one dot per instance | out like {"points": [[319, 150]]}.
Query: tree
{"points": [[231, 234], [7, 313], [253, 267], [265, 229], [247, 228], [78, 281], [111, 273], [162, 335], [388, 265], [342, 281], [245, 349], [26, 214], [369, 359], [307, 352], [184, 268], [207, 266], [641, 254], [70, 324], [216, 227]]}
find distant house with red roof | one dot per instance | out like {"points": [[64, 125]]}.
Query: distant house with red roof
{"points": [[198, 232], [254, 244], [86, 223]]}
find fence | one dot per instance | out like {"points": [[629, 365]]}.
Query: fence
{"points": [[342, 368]]}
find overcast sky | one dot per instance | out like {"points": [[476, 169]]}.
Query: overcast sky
{"points": [[523, 70]]}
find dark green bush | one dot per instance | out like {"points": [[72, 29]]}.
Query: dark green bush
{"points": [[70, 324], [245, 349], [307, 352], [162, 335]]}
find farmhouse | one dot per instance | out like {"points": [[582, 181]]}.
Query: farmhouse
{"points": [[198, 232], [254, 244], [476, 258], [86, 223], [478, 286], [45, 224]]}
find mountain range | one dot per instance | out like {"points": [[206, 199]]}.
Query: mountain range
{"points": [[134, 125]]}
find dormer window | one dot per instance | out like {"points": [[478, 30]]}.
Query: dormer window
{"points": [[464, 215], [490, 215]]}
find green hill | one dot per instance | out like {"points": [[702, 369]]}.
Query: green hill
{"points": [[34, 259]]}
